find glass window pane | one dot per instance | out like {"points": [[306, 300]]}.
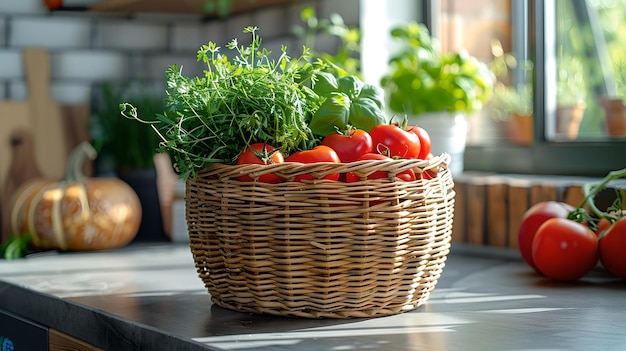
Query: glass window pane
{"points": [[590, 56], [488, 30]]}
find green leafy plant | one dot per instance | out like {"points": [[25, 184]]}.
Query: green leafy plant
{"points": [[246, 99], [346, 59], [346, 102], [571, 87], [620, 78], [508, 98], [423, 79], [130, 145], [15, 247]]}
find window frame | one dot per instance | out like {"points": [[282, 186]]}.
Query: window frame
{"points": [[582, 158]]}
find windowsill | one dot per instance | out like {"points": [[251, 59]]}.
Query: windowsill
{"points": [[489, 206]]}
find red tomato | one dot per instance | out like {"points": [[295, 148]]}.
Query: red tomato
{"points": [[349, 146], [425, 142], [392, 141], [407, 176], [321, 153], [603, 224], [564, 249], [260, 154], [612, 248], [533, 218]]}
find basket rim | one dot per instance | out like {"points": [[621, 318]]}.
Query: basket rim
{"points": [[289, 170]]}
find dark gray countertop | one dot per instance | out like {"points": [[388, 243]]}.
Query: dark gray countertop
{"points": [[148, 297]]}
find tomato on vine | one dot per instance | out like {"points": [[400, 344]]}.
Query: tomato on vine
{"points": [[393, 141], [533, 218], [425, 142], [603, 225], [261, 154], [321, 153], [349, 145], [406, 175], [564, 250], [612, 248]]}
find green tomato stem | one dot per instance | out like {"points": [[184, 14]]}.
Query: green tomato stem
{"points": [[591, 190]]}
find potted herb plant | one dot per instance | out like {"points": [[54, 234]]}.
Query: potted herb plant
{"points": [[436, 89], [511, 103], [571, 95], [614, 106], [130, 149], [345, 60]]}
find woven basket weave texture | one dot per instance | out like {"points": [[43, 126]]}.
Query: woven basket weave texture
{"points": [[321, 249]]}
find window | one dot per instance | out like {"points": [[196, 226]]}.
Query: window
{"points": [[570, 59]]}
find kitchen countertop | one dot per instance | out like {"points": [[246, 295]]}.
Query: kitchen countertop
{"points": [[148, 297]]}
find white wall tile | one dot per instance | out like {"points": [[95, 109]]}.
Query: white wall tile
{"points": [[17, 90], [63, 92], [70, 92], [348, 9], [235, 26], [215, 31], [155, 66], [11, 64], [22, 7], [271, 21], [131, 35], [89, 65], [50, 32], [3, 33], [187, 37]]}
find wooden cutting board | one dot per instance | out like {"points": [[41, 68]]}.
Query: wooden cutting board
{"points": [[14, 119], [14, 116], [47, 125]]}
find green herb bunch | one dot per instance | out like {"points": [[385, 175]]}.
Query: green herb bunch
{"points": [[247, 99]]}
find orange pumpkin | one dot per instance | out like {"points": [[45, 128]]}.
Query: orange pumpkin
{"points": [[78, 213]]}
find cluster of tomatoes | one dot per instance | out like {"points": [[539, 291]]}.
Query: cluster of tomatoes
{"points": [[561, 248], [383, 142]]}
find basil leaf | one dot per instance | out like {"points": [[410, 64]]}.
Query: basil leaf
{"points": [[350, 85], [325, 84], [334, 112], [373, 93], [366, 114]]}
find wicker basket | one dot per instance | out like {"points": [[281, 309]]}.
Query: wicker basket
{"points": [[321, 249]]}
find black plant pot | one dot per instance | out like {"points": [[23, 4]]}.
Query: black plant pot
{"points": [[143, 181]]}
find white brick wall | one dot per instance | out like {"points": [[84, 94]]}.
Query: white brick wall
{"points": [[49, 32], [11, 64], [118, 34], [214, 31], [89, 65], [187, 38], [272, 22], [89, 47], [3, 33], [22, 7], [348, 9]]}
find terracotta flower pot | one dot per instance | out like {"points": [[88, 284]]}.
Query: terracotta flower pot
{"points": [[614, 116], [519, 129], [568, 119]]}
